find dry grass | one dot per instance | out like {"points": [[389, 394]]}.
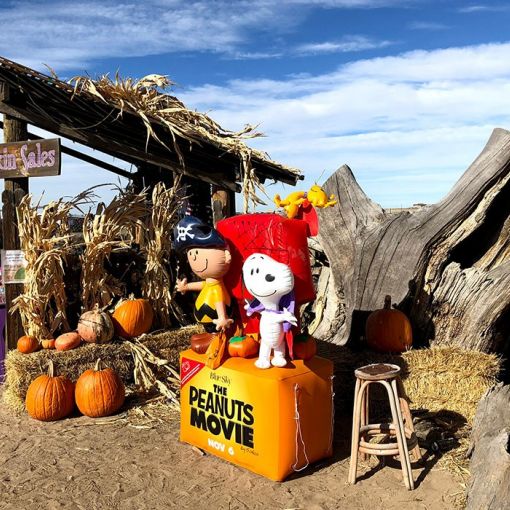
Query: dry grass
{"points": [[160, 355], [45, 239], [144, 98], [158, 283], [113, 227]]}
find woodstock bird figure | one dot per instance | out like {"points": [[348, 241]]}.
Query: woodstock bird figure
{"points": [[315, 196], [272, 284]]}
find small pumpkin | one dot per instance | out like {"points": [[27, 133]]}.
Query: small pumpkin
{"points": [[27, 344], [305, 347], [48, 343], [67, 341], [132, 318], [50, 397], [99, 392], [243, 346], [388, 330], [95, 327]]}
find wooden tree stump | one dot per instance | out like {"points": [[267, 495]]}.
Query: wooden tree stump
{"points": [[447, 265], [489, 487]]}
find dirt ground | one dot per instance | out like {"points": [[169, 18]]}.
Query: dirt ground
{"points": [[79, 463]]}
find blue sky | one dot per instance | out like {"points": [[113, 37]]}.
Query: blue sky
{"points": [[404, 91]]}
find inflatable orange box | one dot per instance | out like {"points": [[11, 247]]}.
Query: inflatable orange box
{"points": [[273, 421]]}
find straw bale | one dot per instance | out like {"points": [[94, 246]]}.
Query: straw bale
{"points": [[22, 369], [435, 379]]}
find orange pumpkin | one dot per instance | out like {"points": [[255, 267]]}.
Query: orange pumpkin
{"points": [[27, 344], [99, 392], [50, 397], [243, 346], [95, 327], [305, 347], [132, 318], [48, 343], [388, 330], [67, 341]]}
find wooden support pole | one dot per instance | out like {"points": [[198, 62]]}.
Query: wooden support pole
{"points": [[223, 204], [14, 190]]}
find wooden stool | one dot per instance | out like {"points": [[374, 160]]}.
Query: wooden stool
{"points": [[401, 428]]}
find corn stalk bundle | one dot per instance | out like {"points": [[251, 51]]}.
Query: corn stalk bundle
{"points": [[112, 228], [158, 282], [45, 240], [144, 99]]}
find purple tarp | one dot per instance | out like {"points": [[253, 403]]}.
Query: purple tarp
{"points": [[2, 343]]}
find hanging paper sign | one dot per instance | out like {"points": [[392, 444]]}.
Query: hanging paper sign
{"points": [[38, 158], [13, 266]]}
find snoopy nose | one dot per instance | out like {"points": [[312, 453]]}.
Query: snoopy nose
{"points": [[269, 278]]}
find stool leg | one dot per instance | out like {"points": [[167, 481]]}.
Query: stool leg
{"points": [[364, 415], [400, 436], [355, 433], [408, 418], [407, 459]]}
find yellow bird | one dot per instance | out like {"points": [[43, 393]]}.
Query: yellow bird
{"points": [[291, 203], [318, 198]]}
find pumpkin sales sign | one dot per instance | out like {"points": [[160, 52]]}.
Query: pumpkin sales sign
{"points": [[30, 158]]}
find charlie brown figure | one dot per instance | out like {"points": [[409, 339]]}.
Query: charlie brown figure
{"points": [[209, 258]]}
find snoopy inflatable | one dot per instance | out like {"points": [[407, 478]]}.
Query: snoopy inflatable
{"points": [[272, 284]]}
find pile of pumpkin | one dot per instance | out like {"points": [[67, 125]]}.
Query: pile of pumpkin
{"points": [[132, 318], [97, 393]]}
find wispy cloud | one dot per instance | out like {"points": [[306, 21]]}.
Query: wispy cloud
{"points": [[427, 25], [422, 114], [348, 44], [356, 4], [71, 35], [484, 8]]}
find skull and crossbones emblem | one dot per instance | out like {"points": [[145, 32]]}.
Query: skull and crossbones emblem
{"points": [[183, 232]]}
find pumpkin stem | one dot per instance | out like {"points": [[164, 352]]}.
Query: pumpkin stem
{"points": [[51, 368], [97, 368], [387, 302]]}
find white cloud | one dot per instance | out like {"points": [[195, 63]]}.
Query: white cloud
{"points": [[70, 35], [484, 8], [348, 44], [409, 125], [427, 25]]}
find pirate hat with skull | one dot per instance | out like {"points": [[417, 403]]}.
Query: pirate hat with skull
{"points": [[191, 232]]}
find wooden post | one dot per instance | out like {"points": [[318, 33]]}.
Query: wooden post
{"points": [[14, 190], [223, 204]]}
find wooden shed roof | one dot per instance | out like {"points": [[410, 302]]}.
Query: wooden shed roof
{"points": [[53, 105]]}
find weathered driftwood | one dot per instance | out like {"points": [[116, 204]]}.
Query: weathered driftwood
{"points": [[447, 265], [489, 487]]}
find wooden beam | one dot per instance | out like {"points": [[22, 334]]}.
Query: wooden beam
{"points": [[14, 191], [197, 162]]}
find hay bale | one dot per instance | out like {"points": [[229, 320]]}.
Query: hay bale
{"points": [[437, 379], [22, 369]]}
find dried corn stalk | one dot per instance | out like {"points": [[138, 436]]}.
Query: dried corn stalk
{"points": [[145, 378], [158, 282], [143, 98], [111, 228], [46, 240]]}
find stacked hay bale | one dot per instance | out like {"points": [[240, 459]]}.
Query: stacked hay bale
{"points": [[437, 379], [22, 369]]}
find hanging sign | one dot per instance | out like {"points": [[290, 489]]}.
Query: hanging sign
{"points": [[37, 158], [13, 266]]}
